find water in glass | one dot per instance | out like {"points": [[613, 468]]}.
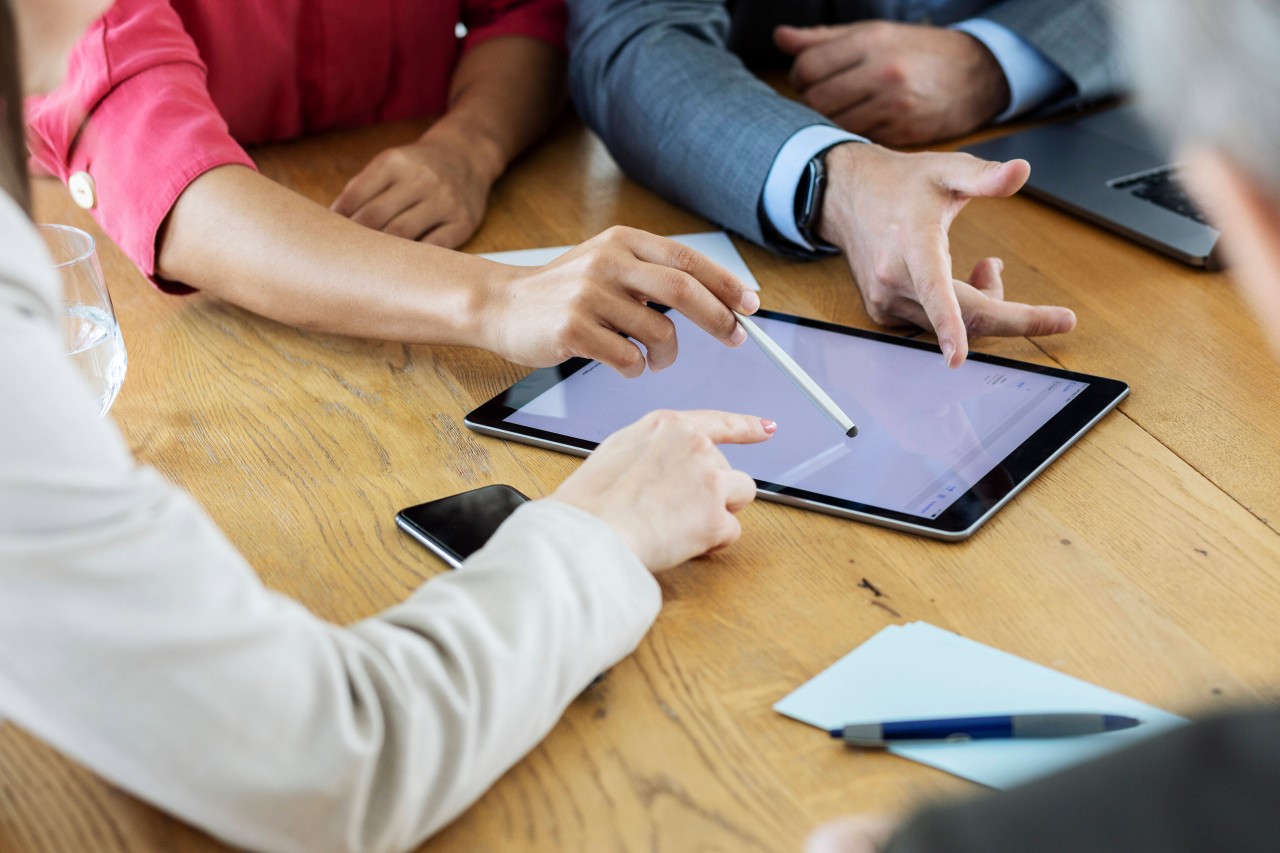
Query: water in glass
{"points": [[96, 347]]}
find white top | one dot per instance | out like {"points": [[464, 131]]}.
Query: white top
{"points": [[134, 638]]}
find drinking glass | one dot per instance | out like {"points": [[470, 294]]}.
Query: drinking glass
{"points": [[94, 341]]}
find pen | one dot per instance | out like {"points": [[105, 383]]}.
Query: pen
{"points": [[981, 728], [797, 375]]}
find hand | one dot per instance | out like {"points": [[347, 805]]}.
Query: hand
{"points": [[900, 84], [430, 190], [860, 834], [577, 304], [664, 485], [890, 213]]}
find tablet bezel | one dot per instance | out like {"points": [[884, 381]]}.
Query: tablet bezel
{"points": [[959, 521]]}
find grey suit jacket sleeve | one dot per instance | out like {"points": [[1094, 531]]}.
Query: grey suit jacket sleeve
{"points": [[1075, 35], [678, 111], [1211, 786]]}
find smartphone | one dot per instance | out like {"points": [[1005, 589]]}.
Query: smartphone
{"points": [[455, 527]]}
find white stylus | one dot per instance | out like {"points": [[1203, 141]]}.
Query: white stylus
{"points": [[797, 375]]}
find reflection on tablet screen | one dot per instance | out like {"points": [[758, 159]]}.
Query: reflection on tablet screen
{"points": [[926, 435]]}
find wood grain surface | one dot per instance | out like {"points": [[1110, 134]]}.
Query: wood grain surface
{"points": [[1146, 560]]}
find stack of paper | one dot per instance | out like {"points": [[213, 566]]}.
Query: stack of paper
{"points": [[919, 671]]}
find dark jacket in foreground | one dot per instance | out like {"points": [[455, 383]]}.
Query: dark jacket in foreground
{"points": [[1210, 787]]}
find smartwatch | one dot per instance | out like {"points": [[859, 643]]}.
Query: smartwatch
{"points": [[808, 204]]}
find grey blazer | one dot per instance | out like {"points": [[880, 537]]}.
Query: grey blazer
{"points": [[1073, 34], [684, 115]]}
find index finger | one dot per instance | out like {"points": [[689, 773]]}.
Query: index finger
{"points": [[987, 316], [929, 266], [729, 290], [729, 428]]}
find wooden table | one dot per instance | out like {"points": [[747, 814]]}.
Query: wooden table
{"points": [[1146, 560]]}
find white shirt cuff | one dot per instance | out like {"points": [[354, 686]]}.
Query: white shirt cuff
{"points": [[783, 182], [1033, 79]]}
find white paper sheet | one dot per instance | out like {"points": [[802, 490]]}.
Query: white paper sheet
{"points": [[919, 671], [716, 245]]}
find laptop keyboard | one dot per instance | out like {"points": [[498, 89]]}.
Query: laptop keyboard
{"points": [[1161, 187]]}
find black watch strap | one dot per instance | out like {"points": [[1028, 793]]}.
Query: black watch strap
{"points": [[808, 203]]}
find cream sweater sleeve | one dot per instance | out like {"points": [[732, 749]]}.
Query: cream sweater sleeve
{"points": [[136, 639]]}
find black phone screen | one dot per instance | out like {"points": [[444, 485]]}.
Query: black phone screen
{"points": [[457, 526]]}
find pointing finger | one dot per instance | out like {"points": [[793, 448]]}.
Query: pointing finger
{"points": [[986, 316], [929, 268], [728, 428]]}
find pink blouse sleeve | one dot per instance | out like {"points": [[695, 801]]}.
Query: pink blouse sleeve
{"points": [[132, 126], [540, 19]]}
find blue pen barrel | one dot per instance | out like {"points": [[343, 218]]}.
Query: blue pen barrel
{"points": [[983, 728], [967, 728]]}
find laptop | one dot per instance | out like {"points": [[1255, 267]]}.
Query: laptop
{"points": [[1109, 169]]}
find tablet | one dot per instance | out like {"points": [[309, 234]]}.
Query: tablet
{"points": [[938, 451]]}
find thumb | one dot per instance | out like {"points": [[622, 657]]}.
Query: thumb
{"points": [[792, 40], [975, 178]]}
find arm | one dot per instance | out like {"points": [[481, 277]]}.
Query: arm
{"points": [[137, 640], [503, 96], [268, 249], [684, 116], [242, 237]]}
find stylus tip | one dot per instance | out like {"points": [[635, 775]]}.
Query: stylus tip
{"points": [[853, 430]]}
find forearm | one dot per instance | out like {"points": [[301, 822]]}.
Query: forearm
{"points": [[240, 236], [504, 95], [135, 638], [243, 714]]}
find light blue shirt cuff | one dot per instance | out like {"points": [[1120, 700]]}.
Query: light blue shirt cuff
{"points": [[1033, 79], [783, 182]]}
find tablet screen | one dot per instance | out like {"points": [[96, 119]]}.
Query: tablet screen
{"points": [[926, 434]]}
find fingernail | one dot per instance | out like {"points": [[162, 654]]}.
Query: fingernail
{"points": [[999, 265], [750, 302], [948, 352], [739, 334], [769, 426]]}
